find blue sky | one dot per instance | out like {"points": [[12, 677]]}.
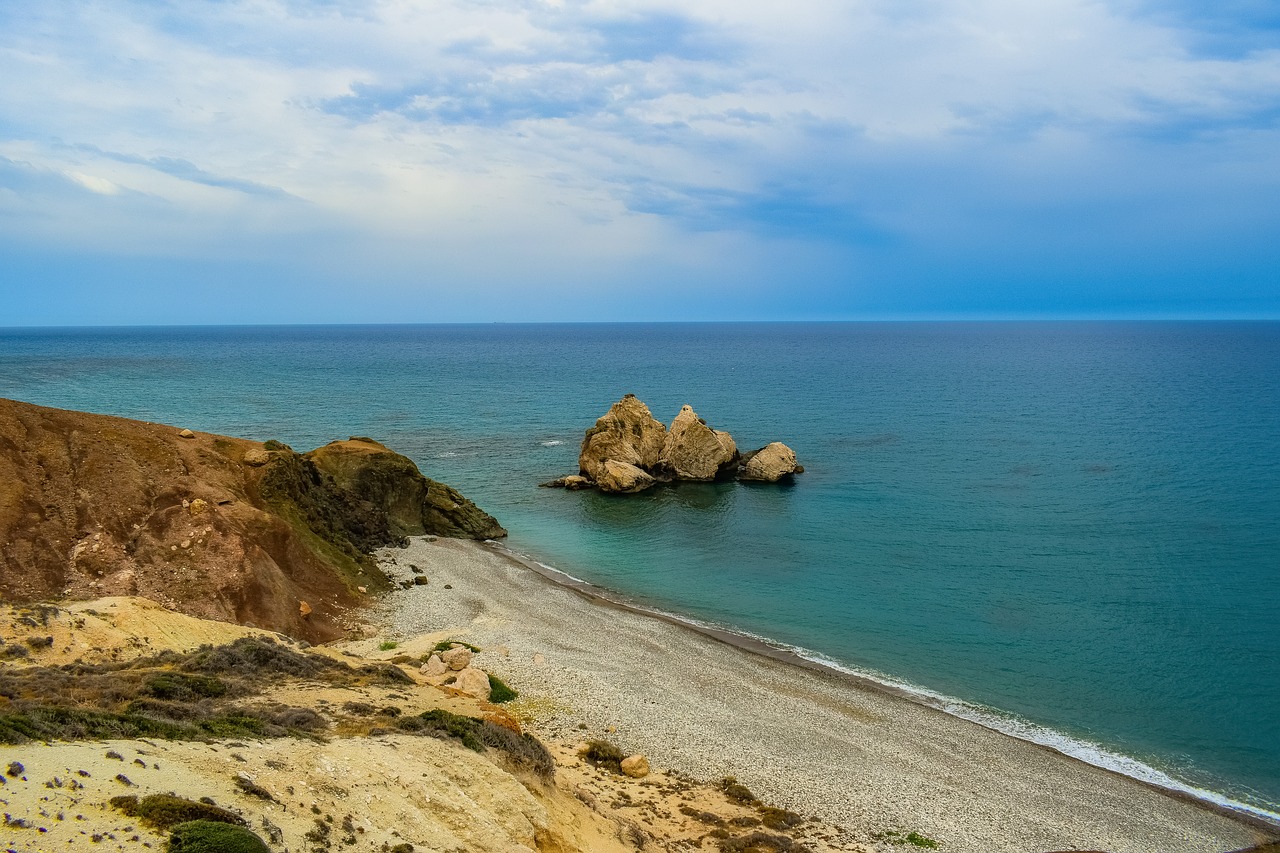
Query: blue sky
{"points": [[474, 160]]}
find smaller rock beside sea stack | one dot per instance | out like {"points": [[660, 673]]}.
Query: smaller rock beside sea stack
{"points": [[622, 478], [769, 464]]}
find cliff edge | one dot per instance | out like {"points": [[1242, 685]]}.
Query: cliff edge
{"points": [[212, 526]]}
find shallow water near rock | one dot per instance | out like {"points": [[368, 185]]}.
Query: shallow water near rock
{"points": [[1075, 525]]}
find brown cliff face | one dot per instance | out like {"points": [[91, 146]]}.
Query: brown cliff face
{"points": [[216, 527]]}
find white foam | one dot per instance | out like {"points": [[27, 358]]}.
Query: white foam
{"points": [[551, 443], [991, 718]]}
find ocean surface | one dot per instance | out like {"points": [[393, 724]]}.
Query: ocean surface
{"points": [[1070, 531]]}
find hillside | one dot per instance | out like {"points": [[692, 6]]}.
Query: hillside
{"points": [[216, 527]]}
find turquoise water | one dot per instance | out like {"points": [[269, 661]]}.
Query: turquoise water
{"points": [[1074, 526]]}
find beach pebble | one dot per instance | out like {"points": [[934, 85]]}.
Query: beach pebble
{"points": [[539, 659], [186, 433]]}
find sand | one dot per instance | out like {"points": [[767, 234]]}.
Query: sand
{"points": [[871, 762]]}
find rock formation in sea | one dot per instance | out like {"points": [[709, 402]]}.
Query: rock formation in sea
{"points": [[209, 525], [627, 433], [695, 451], [769, 464], [629, 450]]}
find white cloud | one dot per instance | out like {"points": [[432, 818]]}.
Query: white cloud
{"points": [[600, 134], [93, 183]]}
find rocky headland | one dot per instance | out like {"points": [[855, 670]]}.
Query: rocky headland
{"points": [[213, 526], [629, 450]]}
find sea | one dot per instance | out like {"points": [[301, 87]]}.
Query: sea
{"points": [[1068, 531]]}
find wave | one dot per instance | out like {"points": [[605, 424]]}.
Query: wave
{"points": [[991, 718], [551, 443]]}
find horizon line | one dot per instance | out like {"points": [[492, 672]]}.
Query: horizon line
{"points": [[780, 322]]}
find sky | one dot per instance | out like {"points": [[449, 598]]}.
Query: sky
{"points": [[334, 161]]}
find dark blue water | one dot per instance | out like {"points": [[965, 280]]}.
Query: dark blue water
{"points": [[1074, 526]]}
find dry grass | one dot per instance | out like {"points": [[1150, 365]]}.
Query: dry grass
{"points": [[196, 696]]}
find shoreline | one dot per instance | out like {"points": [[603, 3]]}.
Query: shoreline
{"points": [[851, 751], [1255, 816]]}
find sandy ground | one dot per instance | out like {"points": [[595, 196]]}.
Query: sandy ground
{"points": [[870, 762], [358, 786]]}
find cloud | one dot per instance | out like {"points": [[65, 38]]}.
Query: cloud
{"points": [[187, 171], [882, 147]]}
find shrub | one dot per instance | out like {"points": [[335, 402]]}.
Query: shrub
{"points": [[184, 686], [302, 719], [441, 723], [737, 792], [254, 656], [523, 750], [921, 841], [445, 645], [762, 842], [499, 691], [175, 712], [895, 836], [601, 753], [386, 673], [780, 819], [387, 645], [202, 836], [162, 811]]}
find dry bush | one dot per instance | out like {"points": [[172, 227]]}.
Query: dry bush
{"points": [[163, 811], [602, 753]]}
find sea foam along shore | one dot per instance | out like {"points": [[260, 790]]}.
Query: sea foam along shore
{"points": [[1088, 752], [807, 737]]}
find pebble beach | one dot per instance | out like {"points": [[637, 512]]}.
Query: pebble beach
{"points": [[818, 742]]}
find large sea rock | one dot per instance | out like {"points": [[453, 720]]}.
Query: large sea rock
{"points": [[627, 433], [695, 451]]}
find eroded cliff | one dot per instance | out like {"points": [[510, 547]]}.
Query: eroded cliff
{"points": [[217, 527]]}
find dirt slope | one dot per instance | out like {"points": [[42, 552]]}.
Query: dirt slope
{"points": [[215, 527]]}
